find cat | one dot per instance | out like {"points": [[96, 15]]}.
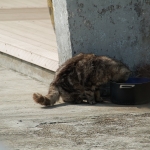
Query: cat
{"points": [[80, 78]]}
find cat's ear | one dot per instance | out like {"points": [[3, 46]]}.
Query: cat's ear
{"points": [[115, 69], [80, 54], [125, 70], [122, 70]]}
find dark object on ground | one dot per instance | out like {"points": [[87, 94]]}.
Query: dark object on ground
{"points": [[135, 91]]}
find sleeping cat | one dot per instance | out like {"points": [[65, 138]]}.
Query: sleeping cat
{"points": [[81, 77]]}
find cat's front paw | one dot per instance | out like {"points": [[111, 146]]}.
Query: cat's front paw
{"points": [[92, 102], [100, 100]]}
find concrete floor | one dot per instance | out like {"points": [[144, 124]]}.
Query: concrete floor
{"points": [[25, 125]]}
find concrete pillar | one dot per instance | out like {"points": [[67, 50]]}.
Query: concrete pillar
{"points": [[120, 29], [62, 30]]}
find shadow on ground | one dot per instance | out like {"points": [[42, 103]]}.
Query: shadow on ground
{"points": [[106, 103]]}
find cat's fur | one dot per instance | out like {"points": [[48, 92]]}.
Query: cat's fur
{"points": [[81, 77]]}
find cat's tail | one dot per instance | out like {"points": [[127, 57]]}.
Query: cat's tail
{"points": [[50, 99]]}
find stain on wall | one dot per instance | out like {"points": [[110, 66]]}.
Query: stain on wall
{"points": [[120, 29]]}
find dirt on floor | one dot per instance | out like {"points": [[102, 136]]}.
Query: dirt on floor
{"points": [[89, 130], [119, 131]]}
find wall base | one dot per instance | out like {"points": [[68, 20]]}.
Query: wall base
{"points": [[26, 68]]}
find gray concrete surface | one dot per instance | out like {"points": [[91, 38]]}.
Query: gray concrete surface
{"points": [[119, 29], [25, 125], [26, 68]]}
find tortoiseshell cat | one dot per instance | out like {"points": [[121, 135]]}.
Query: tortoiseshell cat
{"points": [[81, 77]]}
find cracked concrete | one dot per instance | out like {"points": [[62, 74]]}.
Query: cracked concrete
{"points": [[25, 125]]}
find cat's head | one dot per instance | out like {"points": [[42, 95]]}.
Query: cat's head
{"points": [[121, 73]]}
